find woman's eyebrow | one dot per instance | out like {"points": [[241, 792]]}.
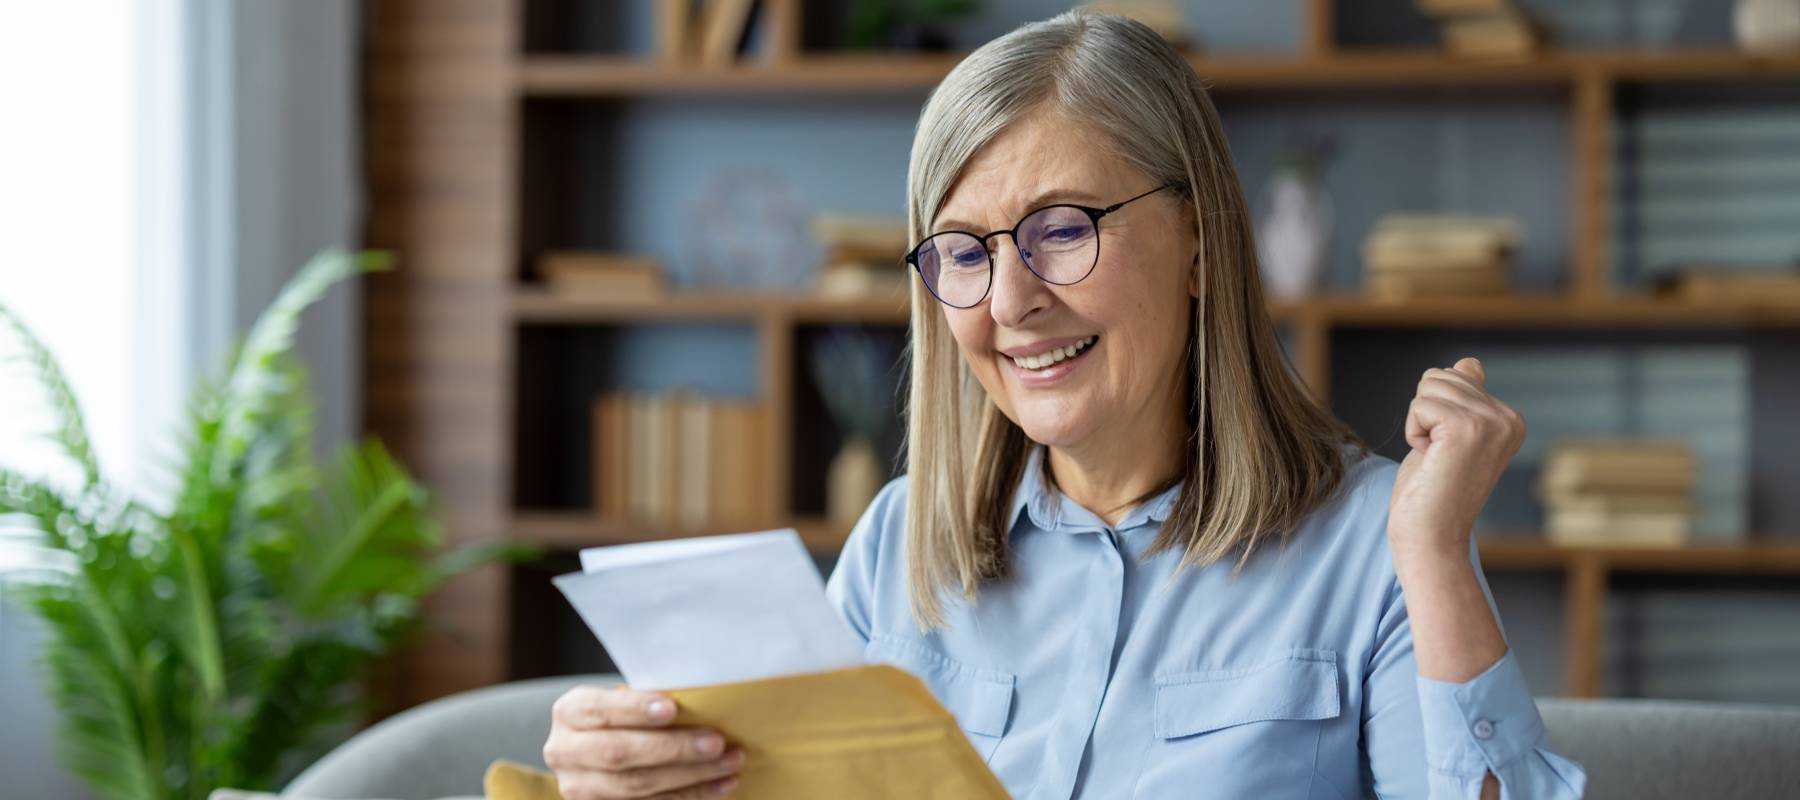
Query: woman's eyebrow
{"points": [[1041, 199]]}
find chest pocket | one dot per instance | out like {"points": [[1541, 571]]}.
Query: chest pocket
{"points": [[980, 699], [1245, 731], [1301, 685]]}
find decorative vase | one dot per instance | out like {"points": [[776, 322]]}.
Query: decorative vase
{"points": [[854, 479], [1295, 234], [1766, 25]]}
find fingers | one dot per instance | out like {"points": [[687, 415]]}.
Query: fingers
{"points": [[1424, 414], [617, 749], [710, 779], [590, 707], [1471, 366], [1452, 386]]}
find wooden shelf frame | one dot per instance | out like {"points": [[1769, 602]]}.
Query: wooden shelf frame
{"points": [[597, 76], [1587, 571], [536, 306], [446, 85]]}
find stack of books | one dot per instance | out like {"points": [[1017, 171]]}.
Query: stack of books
{"points": [[609, 275], [1610, 492], [1409, 255], [679, 461], [1484, 28], [864, 255]]}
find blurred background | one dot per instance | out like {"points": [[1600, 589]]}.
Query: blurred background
{"points": [[647, 278]]}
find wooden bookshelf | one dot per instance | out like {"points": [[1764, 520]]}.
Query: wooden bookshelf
{"points": [[449, 86]]}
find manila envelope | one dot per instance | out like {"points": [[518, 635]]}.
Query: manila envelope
{"points": [[872, 732]]}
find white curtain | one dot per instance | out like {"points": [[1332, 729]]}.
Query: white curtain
{"points": [[167, 165]]}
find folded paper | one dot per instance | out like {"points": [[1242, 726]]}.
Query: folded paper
{"points": [[716, 609]]}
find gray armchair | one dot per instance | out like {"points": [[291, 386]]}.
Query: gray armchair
{"points": [[1637, 749]]}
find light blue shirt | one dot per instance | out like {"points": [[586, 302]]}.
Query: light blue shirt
{"points": [[1090, 673]]}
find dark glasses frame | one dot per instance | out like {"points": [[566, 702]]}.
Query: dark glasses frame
{"points": [[1093, 215]]}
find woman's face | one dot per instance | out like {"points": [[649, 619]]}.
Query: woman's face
{"points": [[1129, 317]]}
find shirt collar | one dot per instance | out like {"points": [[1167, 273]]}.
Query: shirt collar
{"points": [[1050, 510]]}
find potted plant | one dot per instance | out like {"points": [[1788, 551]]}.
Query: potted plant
{"points": [[210, 641]]}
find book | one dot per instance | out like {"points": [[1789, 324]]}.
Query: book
{"points": [[1618, 466], [675, 31], [608, 274], [1602, 528], [1503, 34], [694, 508], [1620, 502], [1733, 285], [1395, 286], [781, 21], [724, 24], [1421, 259], [611, 453], [1482, 229], [880, 234]]}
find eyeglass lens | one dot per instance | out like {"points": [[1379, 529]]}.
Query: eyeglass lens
{"points": [[1059, 244]]}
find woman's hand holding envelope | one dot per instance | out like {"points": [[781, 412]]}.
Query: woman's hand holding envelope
{"points": [[615, 743]]}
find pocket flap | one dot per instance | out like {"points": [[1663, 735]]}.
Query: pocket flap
{"points": [[980, 699], [1297, 685]]}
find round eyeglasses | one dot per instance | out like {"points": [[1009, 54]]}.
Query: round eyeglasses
{"points": [[1060, 244]]}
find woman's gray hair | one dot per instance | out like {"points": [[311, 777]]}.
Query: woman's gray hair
{"points": [[1260, 453], [1109, 73]]}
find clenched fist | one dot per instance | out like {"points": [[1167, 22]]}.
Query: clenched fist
{"points": [[1461, 438]]}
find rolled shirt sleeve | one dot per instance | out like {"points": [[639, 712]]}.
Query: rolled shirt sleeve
{"points": [[1490, 724]]}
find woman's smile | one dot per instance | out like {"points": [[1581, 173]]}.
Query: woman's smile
{"points": [[1047, 362]]}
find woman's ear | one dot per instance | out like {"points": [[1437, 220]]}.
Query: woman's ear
{"points": [[1194, 276]]}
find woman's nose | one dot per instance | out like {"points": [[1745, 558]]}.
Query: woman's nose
{"points": [[1017, 291]]}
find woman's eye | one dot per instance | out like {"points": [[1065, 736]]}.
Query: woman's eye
{"points": [[969, 258], [1064, 234]]}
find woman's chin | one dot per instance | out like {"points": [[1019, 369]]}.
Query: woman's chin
{"points": [[1053, 430]]}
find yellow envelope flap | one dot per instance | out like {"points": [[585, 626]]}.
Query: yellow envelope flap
{"points": [[870, 732], [510, 780]]}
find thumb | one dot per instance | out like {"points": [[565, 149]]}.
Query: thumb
{"points": [[1471, 367]]}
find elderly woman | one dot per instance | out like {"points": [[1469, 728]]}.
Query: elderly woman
{"points": [[1132, 555]]}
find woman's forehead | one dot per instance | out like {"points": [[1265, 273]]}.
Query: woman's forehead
{"points": [[1026, 168]]}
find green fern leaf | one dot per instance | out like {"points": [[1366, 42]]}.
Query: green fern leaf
{"points": [[70, 430]]}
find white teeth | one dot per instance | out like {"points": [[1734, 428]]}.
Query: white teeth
{"points": [[1047, 358]]}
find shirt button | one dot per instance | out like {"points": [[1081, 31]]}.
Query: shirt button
{"points": [[1484, 729]]}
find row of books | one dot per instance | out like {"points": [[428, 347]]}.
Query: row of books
{"points": [[679, 460], [1619, 492], [1409, 255], [717, 32], [1484, 28]]}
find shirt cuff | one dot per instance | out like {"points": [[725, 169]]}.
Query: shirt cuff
{"points": [[1480, 725]]}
